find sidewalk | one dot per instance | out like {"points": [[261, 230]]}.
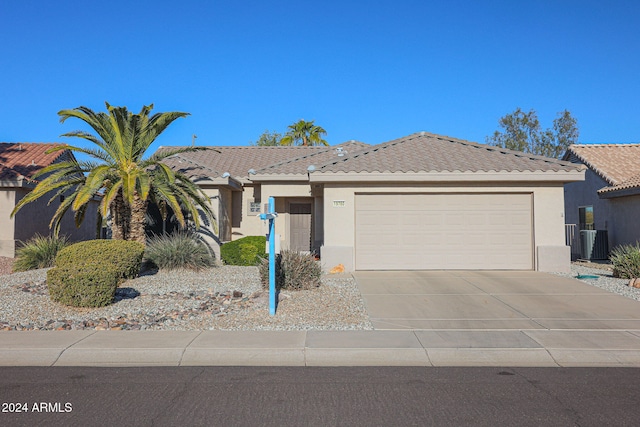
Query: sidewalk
{"points": [[541, 347]]}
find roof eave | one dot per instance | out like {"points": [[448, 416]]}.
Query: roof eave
{"points": [[279, 177], [228, 182], [17, 183], [491, 176], [611, 194]]}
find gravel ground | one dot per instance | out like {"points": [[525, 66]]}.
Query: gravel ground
{"points": [[5, 265], [605, 279], [225, 298]]}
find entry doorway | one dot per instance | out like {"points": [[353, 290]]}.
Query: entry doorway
{"points": [[300, 226]]}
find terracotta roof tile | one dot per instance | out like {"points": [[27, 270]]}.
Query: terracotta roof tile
{"points": [[425, 152], [23, 159], [618, 164]]}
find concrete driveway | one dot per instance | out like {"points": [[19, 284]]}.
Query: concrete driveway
{"points": [[491, 300]]}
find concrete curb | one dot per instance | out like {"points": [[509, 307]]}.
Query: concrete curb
{"points": [[517, 348]]}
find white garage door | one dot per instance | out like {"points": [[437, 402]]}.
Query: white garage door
{"points": [[443, 231]]}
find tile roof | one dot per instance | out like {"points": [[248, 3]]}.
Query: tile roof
{"points": [[426, 152], [236, 160], [633, 182], [299, 165], [617, 164], [419, 152], [23, 159]]}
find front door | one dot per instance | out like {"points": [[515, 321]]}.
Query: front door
{"points": [[300, 226]]}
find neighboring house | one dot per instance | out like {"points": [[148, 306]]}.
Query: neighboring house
{"points": [[609, 197], [18, 163], [420, 202]]}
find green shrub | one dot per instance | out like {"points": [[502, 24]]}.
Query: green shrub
{"points": [[125, 256], [39, 252], [626, 261], [294, 271], [179, 250], [246, 251], [83, 285], [248, 254], [87, 274]]}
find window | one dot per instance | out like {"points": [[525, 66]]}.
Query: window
{"points": [[585, 217], [254, 208]]}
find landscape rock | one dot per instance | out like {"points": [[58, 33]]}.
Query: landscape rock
{"points": [[223, 298]]}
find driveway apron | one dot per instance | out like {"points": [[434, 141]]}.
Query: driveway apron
{"points": [[491, 300]]}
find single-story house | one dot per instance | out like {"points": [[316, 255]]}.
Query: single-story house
{"points": [[420, 202], [18, 163], [609, 197]]}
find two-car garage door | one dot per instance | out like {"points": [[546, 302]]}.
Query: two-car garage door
{"points": [[444, 231]]}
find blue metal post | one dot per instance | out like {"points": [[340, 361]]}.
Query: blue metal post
{"points": [[272, 258], [271, 240]]}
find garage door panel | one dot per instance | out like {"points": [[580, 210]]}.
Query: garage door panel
{"points": [[519, 219], [444, 231], [455, 219], [434, 219], [477, 220], [412, 219], [414, 240], [500, 239]]}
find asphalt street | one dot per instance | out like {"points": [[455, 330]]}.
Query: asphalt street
{"points": [[337, 396]]}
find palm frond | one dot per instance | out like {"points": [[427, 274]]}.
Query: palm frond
{"points": [[93, 183], [118, 168], [109, 197], [98, 121], [168, 152], [59, 214]]}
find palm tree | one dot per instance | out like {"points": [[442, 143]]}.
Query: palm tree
{"points": [[304, 133], [126, 181]]}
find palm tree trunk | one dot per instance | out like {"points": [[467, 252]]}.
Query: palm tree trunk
{"points": [[138, 212], [121, 218]]}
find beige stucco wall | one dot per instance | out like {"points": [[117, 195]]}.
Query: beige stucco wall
{"points": [[284, 193], [7, 224], [318, 223], [334, 227], [584, 193], [625, 226], [220, 205], [35, 217], [88, 229], [339, 231], [618, 215], [231, 208], [249, 225]]}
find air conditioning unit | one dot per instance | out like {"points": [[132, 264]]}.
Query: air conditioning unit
{"points": [[594, 244]]}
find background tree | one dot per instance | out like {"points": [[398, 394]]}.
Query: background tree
{"points": [[522, 132], [125, 181], [268, 139], [304, 133]]}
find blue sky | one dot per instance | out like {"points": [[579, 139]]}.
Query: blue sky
{"points": [[366, 70]]}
